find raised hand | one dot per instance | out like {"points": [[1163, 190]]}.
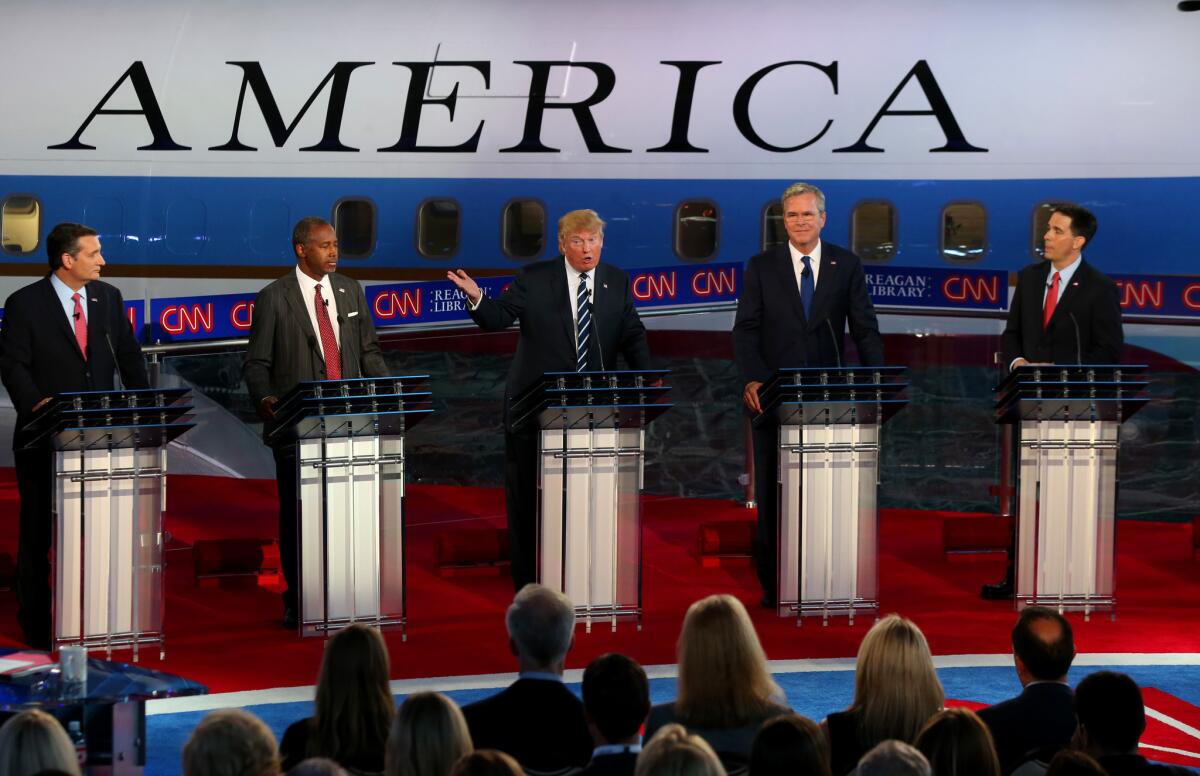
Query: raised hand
{"points": [[465, 284]]}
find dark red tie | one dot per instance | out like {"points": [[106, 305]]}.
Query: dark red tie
{"points": [[333, 359], [1051, 301], [80, 326]]}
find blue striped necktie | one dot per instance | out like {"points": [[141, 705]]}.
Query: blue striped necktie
{"points": [[583, 326]]}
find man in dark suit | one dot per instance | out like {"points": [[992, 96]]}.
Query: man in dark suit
{"points": [[311, 324], [616, 700], [1064, 311], [796, 302], [1112, 718], [1043, 715], [66, 332], [536, 719], [576, 315]]}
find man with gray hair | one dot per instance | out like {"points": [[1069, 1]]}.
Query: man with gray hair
{"points": [[536, 719], [893, 758], [797, 300]]}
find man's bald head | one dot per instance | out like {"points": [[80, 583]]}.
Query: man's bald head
{"points": [[1043, 644]]}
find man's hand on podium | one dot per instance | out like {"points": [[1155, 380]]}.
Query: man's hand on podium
{"points": [[266, 409], [466, 285], [750, 396]]}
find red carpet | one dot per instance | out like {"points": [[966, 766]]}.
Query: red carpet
{"points": [[229, 637]]}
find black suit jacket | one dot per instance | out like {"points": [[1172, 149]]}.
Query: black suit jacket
{"points": [[1043, 715], [283, 349], [40, 356], [772, 330], [537, 721], [616, 764], [1091, 298], [539, 298]]}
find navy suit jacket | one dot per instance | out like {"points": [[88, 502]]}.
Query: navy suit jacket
{"points": [[1088, 305], [616, 764], [537, 721], [1042, 715], [772, 329], [40, 357]]}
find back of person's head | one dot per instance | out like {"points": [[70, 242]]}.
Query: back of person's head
{"points": [[789, 745], [1110, 711], [723, 676], [894, 758], [1042, 640], [486, 762], [317, 766], [674, 752], [33, 741], [1070, 762], [955, 741], [429, 735], [231, 742], [541, 625], [896, 689], [354, 703], [616, 696]]}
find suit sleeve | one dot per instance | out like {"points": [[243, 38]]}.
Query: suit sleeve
{"points": [[1010, 341], [129, 353], [16, 357], [633, 334], [747, 327], [373, 364], [498, 314], [1108, 335], [864, 326], [256, 369]]}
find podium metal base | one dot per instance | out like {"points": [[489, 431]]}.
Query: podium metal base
{"points": [[326, 627], [110, 641], [826, 609], [1089, 605]]}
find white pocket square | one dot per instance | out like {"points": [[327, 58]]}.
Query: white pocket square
{"points": [[351, 315]]}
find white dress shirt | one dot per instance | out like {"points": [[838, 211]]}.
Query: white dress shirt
{"points": [[65, 293], [798, 265], [1064, 277], [308, 290]]}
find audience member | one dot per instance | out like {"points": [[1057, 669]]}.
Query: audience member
{"points": [[672, 751], [725, 690], [1112, 717], [1070, 762], [896, 690], [486, 762], [893, 758], [536, 719], [33, 741], [354, 705], [231, 742], [790, 745], [428, 736], [1042, 717], [616, 700], [955, 741], [317, 766]]}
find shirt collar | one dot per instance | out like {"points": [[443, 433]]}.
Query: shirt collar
{"points": [[307, 284], [573, 273], [604, 749], [65, 292], [815, 256], [1064, 274], [545, 676]]}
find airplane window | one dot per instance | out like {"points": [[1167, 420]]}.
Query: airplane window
{"points": [[354, 222], [1041, 220], [524, 228], [696, 225], [773, 233], [964, 232], [187, 227], [20, 224], [438, 223], [873, 231]]}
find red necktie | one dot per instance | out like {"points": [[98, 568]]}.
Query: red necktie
{"points": [[80, 326], [333, 359], [1051, 301]]}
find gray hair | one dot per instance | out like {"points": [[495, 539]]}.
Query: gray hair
{"points": [[894, 758], [541, 623], [796, 189]]}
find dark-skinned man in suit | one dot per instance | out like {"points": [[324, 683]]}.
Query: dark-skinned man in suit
{"points": [[548, 297], [310, 324], [796, 303], [67, 332]]}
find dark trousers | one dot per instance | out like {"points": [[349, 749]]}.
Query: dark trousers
{"points": [[34, 483], [520, 496], [766, 493], [285, 483]]}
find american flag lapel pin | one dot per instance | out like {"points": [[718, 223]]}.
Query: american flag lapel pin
{"points": [[605, 285]]}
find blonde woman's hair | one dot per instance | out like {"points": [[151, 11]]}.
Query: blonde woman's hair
{"points": [[896, 689], [580, 221], [34, 741], [231, 742], [673, 752], [429, 735], [723, 675]]}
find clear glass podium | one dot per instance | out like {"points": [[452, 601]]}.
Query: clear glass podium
{"points": [[1068, 420], [829, 437], [110, 484], [592, 453], [349, 438]]}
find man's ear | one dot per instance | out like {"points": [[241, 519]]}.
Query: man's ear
{"points": [[571, 644], [512, 647]]}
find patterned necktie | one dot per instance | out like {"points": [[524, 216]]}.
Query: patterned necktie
{"points": [[80, 326], [333, 359], [583, 325], [1051, 301], [807, 287]]}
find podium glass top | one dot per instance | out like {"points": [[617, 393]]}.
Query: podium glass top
{"points": [[39, 684]]}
